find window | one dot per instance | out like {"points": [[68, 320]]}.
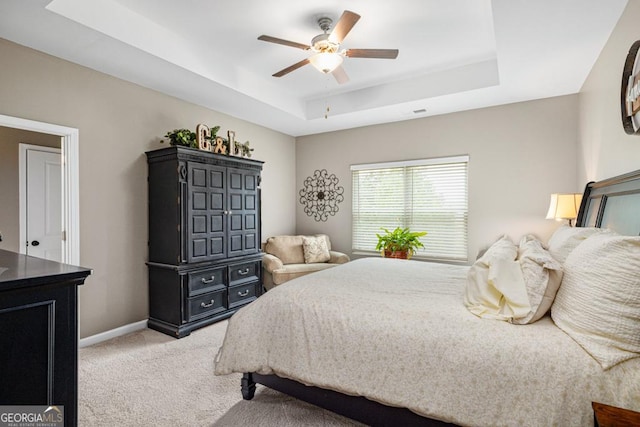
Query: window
{"points": [[425, 195]]}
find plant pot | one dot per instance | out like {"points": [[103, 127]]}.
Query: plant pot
{"points": [[396, 254]]}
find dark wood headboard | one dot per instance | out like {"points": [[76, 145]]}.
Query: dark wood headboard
{"points": [[612, 203]]}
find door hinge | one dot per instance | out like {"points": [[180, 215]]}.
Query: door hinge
{"points": [[64, 235]]}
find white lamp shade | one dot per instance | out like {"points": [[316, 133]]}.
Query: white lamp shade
{"points": [[564, 206], [326, 62]]}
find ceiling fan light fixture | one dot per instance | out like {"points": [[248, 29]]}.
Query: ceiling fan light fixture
{"points": [[326, 62]]}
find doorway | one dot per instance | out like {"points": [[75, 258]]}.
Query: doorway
{"points": [[69, 181]]}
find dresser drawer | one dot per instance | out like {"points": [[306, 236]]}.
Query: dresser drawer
{"points": [[206, 304], [242, 294], [243, 272], [206, 280]]}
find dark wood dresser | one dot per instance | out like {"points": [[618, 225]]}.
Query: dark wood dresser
{"points": [[39, 332], [205, 260]]}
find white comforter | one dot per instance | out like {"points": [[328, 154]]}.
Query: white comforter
{"points": [[398, 333]]}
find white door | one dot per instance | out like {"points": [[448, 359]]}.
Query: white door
{"points": [[43, 204]]}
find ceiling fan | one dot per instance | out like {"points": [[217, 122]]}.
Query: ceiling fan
{"points": [[327, 56]]}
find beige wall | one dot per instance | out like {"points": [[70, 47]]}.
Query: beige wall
{"points": [[118, 122], [10, 140], [519, 155], [605, 150]]}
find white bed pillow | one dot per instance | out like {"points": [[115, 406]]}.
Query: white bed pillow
{"points": [[542, 275], [565, 239], [483, 293], [503, 248], [598, 304]]}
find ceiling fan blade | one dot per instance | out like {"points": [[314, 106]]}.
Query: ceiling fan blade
{"points": [[291, 68], [340, 75], [343, 26], [284, 42], [372, 53]]}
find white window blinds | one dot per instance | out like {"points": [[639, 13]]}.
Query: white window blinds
{"points": [[425, 195]]}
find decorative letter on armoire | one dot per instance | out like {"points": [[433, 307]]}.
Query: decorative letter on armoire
{"points": [[205, 260]]}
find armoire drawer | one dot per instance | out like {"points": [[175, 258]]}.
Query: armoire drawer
{"points": [[243, 272], [206, 305], [206, 280], [242, 294]]}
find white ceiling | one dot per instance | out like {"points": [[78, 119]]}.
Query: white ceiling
{"points": [[454, 54]]}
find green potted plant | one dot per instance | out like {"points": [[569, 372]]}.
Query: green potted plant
{"points": [[182, 137], [399, 243]]}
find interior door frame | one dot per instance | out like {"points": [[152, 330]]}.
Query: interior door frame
{"points": [[70, 180]]}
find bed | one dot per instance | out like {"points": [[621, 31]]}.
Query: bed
{"points": [[389, 342]]}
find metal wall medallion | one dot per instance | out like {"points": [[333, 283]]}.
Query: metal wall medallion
{"points": [[630, 91], [321, 194]]}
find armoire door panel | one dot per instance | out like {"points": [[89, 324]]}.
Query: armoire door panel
{"points": [[250, 201], [198, 176], [217, 246], [217, 223], [217, 179], [199, 248], [235, 202], [250, 182], [250, 222], [235, 180], [217, 201], [235, 243], [199, 224], [235, 222], [250, 241], [206, 211], [199, 201]]}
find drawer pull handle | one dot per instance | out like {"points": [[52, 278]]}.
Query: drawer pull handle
{"points": [[243, 293], [243, 272], [205, 281], [204, 305]]}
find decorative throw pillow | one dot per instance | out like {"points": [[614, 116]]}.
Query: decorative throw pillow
{"points": [[598, 304], [325, 238], [542, 275], [565, 239], [483, 294], [315, 249]]}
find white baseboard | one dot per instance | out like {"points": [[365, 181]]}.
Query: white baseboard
{"points": [[113, 333]]}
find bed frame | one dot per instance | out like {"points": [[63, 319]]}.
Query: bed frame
{"points": [[612, 203]]}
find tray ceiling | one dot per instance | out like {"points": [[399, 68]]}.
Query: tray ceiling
{"points": [[455, 55]]}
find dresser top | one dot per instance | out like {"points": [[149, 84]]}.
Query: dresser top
{"points": [[22, 271]]}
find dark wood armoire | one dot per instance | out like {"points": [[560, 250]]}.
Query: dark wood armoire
{"points": [[205, 260]]}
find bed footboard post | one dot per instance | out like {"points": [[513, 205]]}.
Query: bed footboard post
{"points": [[248, 386]]}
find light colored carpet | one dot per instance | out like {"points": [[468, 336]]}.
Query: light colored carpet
{"points": [[150, 379]]}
